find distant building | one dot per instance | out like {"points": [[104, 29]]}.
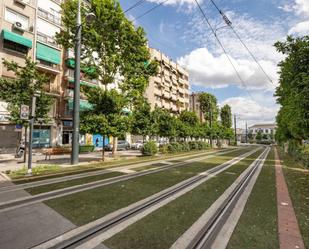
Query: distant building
{"points": [[169, 89], [194, 106], [267, 129]]}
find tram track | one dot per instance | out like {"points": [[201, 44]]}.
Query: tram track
{"points": [[29, 200], [207, 235], [91, 233]]}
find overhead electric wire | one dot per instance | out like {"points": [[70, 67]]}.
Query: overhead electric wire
{"points": [[135, 5], [150, 10], [229, 23], [224, 50]]}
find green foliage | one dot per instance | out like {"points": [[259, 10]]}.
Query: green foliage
{"points": [[258, 136], [299, 152], [293, 92], [86, 148], [142, 120], [184, 146], [19, 91], [226, 116], [208, 105], [150, 148]]}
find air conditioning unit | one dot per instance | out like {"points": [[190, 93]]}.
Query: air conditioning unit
{"points": [[18, 26]]}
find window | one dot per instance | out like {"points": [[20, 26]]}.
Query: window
{"points": [[13, 16], [15, 46]]}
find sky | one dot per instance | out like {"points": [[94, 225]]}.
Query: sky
{"points": [[178, 29]]}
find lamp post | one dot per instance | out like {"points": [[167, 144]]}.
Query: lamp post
{"points": [[76, 98]]}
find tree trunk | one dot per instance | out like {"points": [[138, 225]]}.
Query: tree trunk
{"points": [[103, 149], [115, 143]]}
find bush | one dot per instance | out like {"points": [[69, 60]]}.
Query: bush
{"points": [[150, 148], [174, 147], [164, 148], [185, 146], [266, 142], [299, 152], [203, 145], [86, 148], [193, 145]]}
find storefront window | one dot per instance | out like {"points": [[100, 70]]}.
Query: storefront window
{"points": [[41, 138]]}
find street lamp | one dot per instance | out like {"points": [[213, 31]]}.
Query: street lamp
{"points": [[75, 138]]}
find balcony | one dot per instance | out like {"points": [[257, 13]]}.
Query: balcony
{"points": [[47, 40], [49, 67], [48, 16]]}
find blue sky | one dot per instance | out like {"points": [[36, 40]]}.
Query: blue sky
{"points": [[178, 29]]}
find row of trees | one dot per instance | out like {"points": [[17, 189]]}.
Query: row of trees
{"points": [[112, 47], [293, 91]]}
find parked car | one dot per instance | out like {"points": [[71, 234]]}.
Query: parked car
{"points": [[137, 145], [121, 145]]}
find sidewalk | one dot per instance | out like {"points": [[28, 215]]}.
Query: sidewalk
{"points": [[8, 162], [289, 233], [25, 227]]}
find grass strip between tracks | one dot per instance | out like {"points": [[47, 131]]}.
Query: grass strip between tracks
{"points": [[68, 183], [65, 184], [18, 177], [164, 226], [297, 179], [257, 227], [89, 205]]}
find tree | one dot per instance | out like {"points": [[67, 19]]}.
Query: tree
{"points": [[258, 136], [19, 90], [113, 50], [293, 91], [226, 116], [208, 105], [164, 125], [141, 120]]}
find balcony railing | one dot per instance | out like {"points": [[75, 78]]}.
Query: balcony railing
{"points": [[49, 16], [48, 66], [47, 39]]}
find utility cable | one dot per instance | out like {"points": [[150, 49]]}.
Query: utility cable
{"points": [[229, 23], [135, 5], [150, 10], [224, 50]]}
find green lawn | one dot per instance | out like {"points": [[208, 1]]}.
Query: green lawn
{"points": [[163, 227], [257, 227], [43, 172], [297, 178], [89, 205], [69, 183], [65, 184]]}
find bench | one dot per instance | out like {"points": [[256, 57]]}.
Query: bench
{"points": [[55, 151]]}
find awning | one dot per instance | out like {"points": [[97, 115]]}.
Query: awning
{"points": [[71, 64], [84, 105], [10, 36], [71, 81], [47, 53]]}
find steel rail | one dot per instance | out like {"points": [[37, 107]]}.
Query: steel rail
{"points": [[207, 235], [84, 236], [28, 200]]}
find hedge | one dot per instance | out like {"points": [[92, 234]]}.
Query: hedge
{"points": [[184, 146]]}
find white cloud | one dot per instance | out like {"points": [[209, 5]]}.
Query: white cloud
{"points": [[301, 28], [251, 111], [301, 7], [209, 70]]}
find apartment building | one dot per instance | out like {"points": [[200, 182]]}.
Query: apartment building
{"points": [[267, 129], [28, 28], [194, 106], [169, 89]]}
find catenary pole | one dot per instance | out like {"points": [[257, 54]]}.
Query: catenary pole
{"points": [[75, 138], [235, 129]]}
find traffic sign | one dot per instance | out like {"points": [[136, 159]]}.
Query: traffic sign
{"points": [[24, 112]]}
